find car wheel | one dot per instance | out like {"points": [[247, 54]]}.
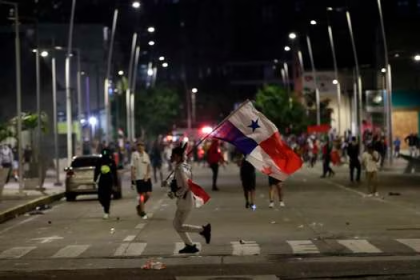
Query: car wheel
{"points": [[70, 197], [117, 195]]}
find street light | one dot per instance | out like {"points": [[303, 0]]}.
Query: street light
{"points": [[165, 65], [417, 57], [313, 22], [292, 36], [44, 53], [383, 70], [136, 4], [161, 58], [151, 29], [151, 43], [335, 82], [194, 90], [121, 72], [150, 72], [287, 48]]}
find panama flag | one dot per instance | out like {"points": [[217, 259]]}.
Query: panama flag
{"points": [[200, 196], [259, 139]]}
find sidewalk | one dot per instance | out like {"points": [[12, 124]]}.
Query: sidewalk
{"points": [[14, 203]]}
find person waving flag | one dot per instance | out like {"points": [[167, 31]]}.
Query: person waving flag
{"points": [[259, 139]]}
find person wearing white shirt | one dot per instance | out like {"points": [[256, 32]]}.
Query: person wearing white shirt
{"points": [[140, 177], [370, 159]]}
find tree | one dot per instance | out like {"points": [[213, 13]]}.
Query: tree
{"points": [[286, 112], [326, 111], [156, 109], [5, 132]]}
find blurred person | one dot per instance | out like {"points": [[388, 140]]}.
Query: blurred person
{"points": [[214, 158], [140, 177], [326, 154], [397, 147], [106, 179], [412, 140], [353, 154], [370, 159], [6, 159], [156, 160], [276, 186], [185, 202], [249, 181], [16, 163], [27, 154]]}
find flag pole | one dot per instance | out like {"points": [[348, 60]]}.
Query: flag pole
{"points": [[217, 127]]}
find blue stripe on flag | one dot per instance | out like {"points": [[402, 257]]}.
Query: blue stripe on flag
{"points": [[230, 133]]}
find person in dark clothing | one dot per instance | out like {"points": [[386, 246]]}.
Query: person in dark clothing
{"points": [[326, 152], [353, 153], [106, 179], [412, 140], [379, 145], [156, 160], [214, 158], [249, 181]]}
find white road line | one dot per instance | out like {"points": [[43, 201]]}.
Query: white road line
{"points": [[359, 246], [303, 247], [129, 238], [412, 243], [245, 248], [16, 225], [140, 226], [121, 249], [71, 251], [181, 245], [132, 250], [16, 252]]}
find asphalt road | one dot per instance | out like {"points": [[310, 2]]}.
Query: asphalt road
{"points": [[328, 228]]}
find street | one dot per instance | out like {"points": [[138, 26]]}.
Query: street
{"points": [[328, 227]]}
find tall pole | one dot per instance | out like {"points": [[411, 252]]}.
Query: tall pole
{"points": [[108, 73], [330, 34], [68, 90], [358, 79], [79, 102], [133, 92], [127, 94], [388, 82], [300, 57], [317, 97], [193, 98], [38, 112], [287, 77], [54, 96]]}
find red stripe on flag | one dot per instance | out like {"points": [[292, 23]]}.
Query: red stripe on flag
{"points": [[198, 191], [282, 155]]}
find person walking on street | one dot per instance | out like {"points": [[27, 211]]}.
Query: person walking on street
{"points": [[156, 159], [370, 159], [214, 158], [105, 178], [275, 186], [249, 181], [412, 141], [185, 203], [353, 153], [397, 147], [140, 177], [326, 153], [6, 159]]}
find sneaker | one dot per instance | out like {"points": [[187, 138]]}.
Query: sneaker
{"points": [[376, 194], [138, 210], [206, 233], [253, 207], [271, 205], [143, 215], [189, 249], [282, 204], [106, 216], [215, 189], [247, 205]]}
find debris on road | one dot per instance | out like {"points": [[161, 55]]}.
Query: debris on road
{"points": [[394, 193], [112, 230], [152, 264], [301, 226], [273, 222]]}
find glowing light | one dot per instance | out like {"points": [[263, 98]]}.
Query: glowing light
{"points": [[206, 130], [93, 121], [151, 43], [161, 58], [313, 22], [136, 4], [121, 72], [165, 64], [44, 53], [151, 29], [292, 36], [287, 48], [335, 82], [194, 90]]}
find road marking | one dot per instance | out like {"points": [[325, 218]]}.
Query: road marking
{"points": [[412, 243], [71, 251], [303, 247], [18, 224], [130, 249], [245, 248], [129, 238], [359, 246], [48, 239], [140, 226], [16, 252], [181, 245]]}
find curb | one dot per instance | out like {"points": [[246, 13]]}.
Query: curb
{"points": [[30, 205]]}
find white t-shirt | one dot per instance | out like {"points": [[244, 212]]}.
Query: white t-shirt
{"points": [[370, 162], [140, 163]]}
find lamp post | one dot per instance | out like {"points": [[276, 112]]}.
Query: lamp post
{"points": [[68, 92], [314, 74], [18, 90], [193, 100], [127, 93], [54, 96], [133, 92], [388, 81]]}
